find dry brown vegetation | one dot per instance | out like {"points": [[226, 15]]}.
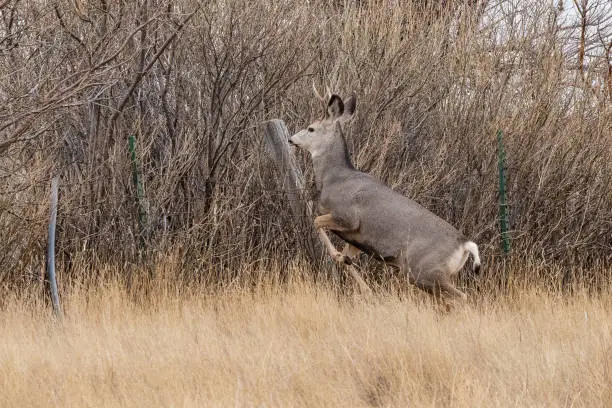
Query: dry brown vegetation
{"points": [[238, 311], [193, 83]]}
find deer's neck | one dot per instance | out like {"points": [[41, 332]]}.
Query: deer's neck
{"points": [[330, 164]]}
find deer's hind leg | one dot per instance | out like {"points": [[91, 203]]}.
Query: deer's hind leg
{"points": [[435, 282], [451, 292]]}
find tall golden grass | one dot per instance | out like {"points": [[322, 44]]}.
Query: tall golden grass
{"points": [[304, 344]]}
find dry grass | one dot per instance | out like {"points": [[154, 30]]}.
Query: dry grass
{"points": [[303, 345], [434, 80]]}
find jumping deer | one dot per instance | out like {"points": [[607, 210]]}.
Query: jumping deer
{"points": [[371, 217]]}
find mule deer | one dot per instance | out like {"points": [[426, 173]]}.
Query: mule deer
{"points": [[373, 218]]}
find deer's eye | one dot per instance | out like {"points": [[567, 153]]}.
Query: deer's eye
{"points": [[311, 129]]}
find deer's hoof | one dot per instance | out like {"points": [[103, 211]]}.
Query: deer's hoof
{"points": [[343, 259]]}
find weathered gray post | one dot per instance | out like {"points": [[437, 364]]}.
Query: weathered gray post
{"points": [[277, 141], [276, 138], [51, 248]]}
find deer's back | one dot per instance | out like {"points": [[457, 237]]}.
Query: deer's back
{"points": [[389, 222]]}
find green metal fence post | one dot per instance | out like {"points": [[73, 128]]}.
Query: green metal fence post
{"points": [[139, 190], [503, 204]]}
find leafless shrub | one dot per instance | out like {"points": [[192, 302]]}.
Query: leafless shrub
{"points": [[193, 82]]}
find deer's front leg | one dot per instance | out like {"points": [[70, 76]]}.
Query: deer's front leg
{"points": [[327, 221]]}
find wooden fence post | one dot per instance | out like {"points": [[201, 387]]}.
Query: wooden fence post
{"points": [[277, 141]]}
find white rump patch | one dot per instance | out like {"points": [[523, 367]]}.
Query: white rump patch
{"points": [[457, 259]]}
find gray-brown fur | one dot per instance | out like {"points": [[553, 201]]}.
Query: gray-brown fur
{"points": [[375, 219]]}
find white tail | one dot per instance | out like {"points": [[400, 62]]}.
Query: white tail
{"points": [[472, 248]]}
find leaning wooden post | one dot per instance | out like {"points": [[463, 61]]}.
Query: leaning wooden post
{"points": [[51, 249], [277, 141], [276, 137]]}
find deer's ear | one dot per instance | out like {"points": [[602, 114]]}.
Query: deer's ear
{"points": [[349, 106], [335, 107]]}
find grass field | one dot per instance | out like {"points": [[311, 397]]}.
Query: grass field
{"points": [[304, 345]]}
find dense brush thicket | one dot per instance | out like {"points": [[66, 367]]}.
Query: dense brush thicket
{"points": [[193, 84]]}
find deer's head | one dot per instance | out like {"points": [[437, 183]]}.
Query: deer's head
{"points": [[321, 134]]}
